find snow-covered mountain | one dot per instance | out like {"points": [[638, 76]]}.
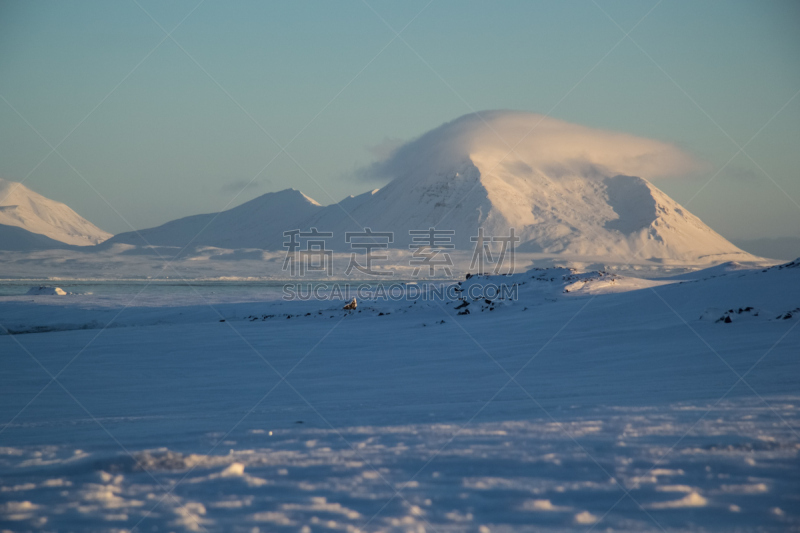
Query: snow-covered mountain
{"points": [[28, 220], [254, 224], [565, 189]]}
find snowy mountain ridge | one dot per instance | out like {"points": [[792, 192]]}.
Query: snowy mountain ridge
{"points": [[565, 189], [253, 224]]}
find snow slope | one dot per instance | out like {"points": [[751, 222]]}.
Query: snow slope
{"points": [[594, 402], [43, 219], [565, 189]]}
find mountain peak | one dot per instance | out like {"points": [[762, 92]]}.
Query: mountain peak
{"points": [[23, 208], [564, 188]]}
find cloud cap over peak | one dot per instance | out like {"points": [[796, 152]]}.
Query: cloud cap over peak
{"points": [[538, 141]]}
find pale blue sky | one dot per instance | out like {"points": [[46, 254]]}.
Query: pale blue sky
{"points": [[167, 141]]}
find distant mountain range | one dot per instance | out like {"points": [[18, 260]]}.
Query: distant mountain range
{"points": [[565, 189]]}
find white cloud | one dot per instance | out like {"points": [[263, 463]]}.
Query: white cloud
{"points": [[537, 142]]}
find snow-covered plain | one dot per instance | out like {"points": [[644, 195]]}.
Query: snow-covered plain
{"points": [[593, 402]]}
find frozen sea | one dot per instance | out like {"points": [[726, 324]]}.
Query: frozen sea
{"points": [[589, 403]]}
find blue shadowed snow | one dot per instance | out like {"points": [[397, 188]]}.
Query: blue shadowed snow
{"points": [[592, 399]]}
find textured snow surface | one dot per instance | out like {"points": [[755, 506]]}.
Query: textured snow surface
{"points": [[29, 220], [595, 401]]}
